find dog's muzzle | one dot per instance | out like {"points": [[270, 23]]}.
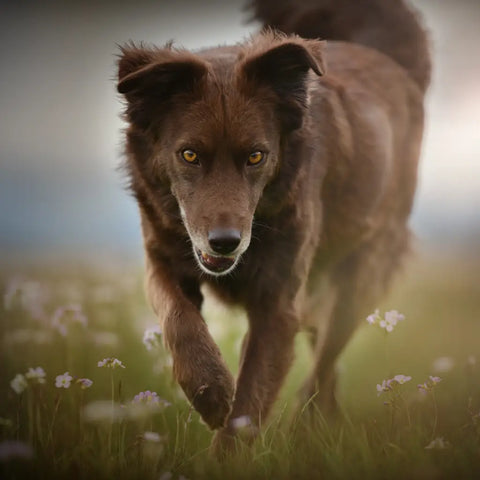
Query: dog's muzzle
{"points": [[221, 258]]}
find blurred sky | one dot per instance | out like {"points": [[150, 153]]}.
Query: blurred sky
{"points": [[60, 131]]}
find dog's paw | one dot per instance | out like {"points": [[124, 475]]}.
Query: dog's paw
{"points": [[210, 388], [224, 444], [214, 403], [239, 434]]}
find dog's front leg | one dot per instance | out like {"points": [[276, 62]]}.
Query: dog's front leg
{"points": [[268, 353], [197, 362]]}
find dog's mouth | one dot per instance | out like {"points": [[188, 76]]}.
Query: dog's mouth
{"points": [[217, 265]]}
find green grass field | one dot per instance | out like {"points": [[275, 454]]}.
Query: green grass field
{"points": [[64, 317]]}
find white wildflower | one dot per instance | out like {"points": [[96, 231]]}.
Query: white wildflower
{"points": [[11, 290], [373, 318], [150, 398], [19, 383], [401, 379], [68, 315], [152, 337], [241, 422], [443, 364], [36, 375], [110, 363], [63, 381], [383, 387], [429, 384], [153, 437], [390, 384], [438, 443], [385, 325], [389, 320], [393, 317], [84, 383], [31, 296], [34, 297]]}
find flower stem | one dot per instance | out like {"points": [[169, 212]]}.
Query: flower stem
{"points": [[407, 410], [31, 419], [54, 416], [110, 433], [435, 417], [387, 356]]}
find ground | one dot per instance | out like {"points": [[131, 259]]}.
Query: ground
{"points": [[66, 316]]}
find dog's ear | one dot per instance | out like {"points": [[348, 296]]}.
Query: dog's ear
{"points": [[284, 68], [150, 78]]}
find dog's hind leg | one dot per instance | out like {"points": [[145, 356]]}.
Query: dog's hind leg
{"points": [[357, 283], [338, 325], [354, 287]]}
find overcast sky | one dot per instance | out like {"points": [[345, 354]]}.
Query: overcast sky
{"points": [[60, 131]]}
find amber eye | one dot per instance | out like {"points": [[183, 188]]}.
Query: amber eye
{"points": [[190, 156], [255, 158]]}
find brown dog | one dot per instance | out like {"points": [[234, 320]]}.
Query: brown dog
{"points": [[281, 172]]}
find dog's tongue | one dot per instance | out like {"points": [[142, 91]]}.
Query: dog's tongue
{"points": [[216, 264]]}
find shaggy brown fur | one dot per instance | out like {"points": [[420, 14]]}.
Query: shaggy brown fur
{"points": [[281, 172]]}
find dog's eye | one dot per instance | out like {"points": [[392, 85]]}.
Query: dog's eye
{"points": [[190, 156], [255, 158]]}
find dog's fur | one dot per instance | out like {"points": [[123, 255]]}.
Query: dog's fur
{"points": [[311, 235]]}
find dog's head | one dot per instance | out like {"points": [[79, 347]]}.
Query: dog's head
{"points": [[210, 126]]}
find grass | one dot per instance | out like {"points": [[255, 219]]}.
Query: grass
{"points": [[99, 433]]}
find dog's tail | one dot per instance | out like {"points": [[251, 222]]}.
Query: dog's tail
{"points": [[390, 26]]}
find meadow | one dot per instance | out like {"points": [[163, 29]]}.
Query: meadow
{"points": [[86, 389]]}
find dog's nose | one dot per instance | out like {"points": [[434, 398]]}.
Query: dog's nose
{"points": [[224, 240]]}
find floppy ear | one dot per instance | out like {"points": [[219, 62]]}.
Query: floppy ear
{"points": [[284, 68], [150, 78]]}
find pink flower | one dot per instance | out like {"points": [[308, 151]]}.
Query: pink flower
{"points": [[391, 383], [152, 337], [84, 383], [401, 379], [373, 318], [423, 387], [388, 322], [393, 317], [150, 398], [110, 363], [385, 325], [383, 387], [68, 315], [429, 384]]}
